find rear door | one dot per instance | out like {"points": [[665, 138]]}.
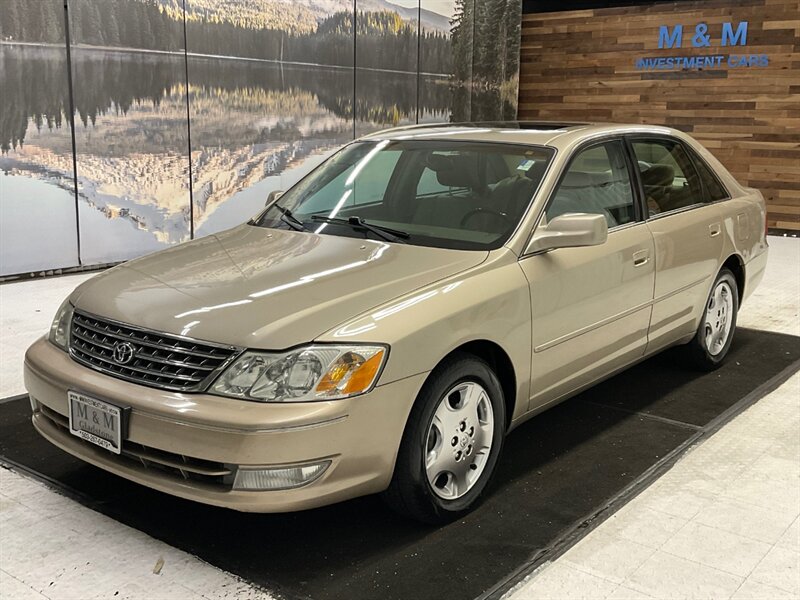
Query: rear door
{"points": [[687, 230]]}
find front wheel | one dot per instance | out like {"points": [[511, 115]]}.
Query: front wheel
{"points": [[710, 345], [451, 443]]}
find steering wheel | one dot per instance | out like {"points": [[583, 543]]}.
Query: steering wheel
{"points": [[484, 211]]}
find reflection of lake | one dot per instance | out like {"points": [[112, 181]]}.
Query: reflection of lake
{"points": [[255, 126], [29, 205], [111, 237]]}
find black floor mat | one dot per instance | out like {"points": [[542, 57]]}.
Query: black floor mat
{"points": [[556, 470]]}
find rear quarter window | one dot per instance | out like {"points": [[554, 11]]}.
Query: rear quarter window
{"points": [[713, 189]]}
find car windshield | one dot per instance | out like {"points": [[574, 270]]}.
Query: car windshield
{"points": [[460, 195]]}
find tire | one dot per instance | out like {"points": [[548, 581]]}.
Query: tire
{"points": [[462, 389], [711, 343]]}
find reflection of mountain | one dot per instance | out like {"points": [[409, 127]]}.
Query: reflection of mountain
{"points": [[40, 164], [143, 189], [298, 15], [249, 121], [282, 92], [221, 173], [237, 28], [430, 19], [259, 14]]}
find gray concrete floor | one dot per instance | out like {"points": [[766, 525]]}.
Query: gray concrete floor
{"points": [[723, 522]]}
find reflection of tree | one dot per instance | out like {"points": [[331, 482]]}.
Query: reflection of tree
{"points": [[34, 83], [390, 98], [112, 81], [382, 97], [483, 103]]}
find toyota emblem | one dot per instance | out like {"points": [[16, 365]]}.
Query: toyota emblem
{"points": [[123, 352]]}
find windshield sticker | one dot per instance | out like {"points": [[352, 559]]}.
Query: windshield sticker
{"points": [[525, 165]]}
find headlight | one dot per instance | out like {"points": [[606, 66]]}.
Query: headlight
{"points": [[302, 375], [59, 330]]}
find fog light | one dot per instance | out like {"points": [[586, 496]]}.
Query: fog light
{"points": [[282, 478]]}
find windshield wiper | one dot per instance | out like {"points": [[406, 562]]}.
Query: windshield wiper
{"points": [[387, 233], [288, 217]]}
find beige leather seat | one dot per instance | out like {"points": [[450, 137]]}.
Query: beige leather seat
{"points": [[581, 192]]}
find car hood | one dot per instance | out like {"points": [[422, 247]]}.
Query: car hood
{"points": [[264, 288]]}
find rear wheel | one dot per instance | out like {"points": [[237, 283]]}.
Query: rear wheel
{"points": [[451, 443], [712, 342]]}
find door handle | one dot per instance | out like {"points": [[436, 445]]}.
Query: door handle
{"points": [[641, 257], [714, 229]]}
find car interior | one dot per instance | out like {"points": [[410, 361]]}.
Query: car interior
{"points": [[473, 194], [477, 193], [596, 182], [669, 178], [473, 191]]}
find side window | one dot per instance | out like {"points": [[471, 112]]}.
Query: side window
{"points": [[371, 185], [713, 188], [669, 177], [329, 195], [596, 181]]}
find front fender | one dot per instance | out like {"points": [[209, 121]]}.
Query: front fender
{"points": [[490, 303]]}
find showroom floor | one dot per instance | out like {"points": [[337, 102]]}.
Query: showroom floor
{"points": [[723, 522]]}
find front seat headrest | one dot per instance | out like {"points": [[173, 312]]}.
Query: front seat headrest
{"points": [[456, 170]]}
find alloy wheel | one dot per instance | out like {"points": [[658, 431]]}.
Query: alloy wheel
{"points": [[719, 313], [459, 440]]}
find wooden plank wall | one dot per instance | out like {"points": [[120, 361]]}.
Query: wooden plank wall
{"points": [[580, 65]]}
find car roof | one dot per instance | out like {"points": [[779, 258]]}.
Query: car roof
{"points": [[558, 134]]}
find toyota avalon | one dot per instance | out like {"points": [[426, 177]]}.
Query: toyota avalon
{"points": [[381, 326]]}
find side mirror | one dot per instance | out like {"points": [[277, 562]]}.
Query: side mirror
{"points": [[569, 231], [273, 196]]}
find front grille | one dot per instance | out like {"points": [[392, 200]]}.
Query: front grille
{"points": [[176, 465], [157, 360]]}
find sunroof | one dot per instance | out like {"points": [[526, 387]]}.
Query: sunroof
{"points": [[547, 125]]}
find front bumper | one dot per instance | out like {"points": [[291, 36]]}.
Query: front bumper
{"points": [[204, 433]]}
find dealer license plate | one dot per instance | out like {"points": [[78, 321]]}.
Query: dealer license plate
{"points": [[96, 421]]}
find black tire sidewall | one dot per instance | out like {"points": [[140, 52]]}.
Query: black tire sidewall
{"points": [[460, 370], [705, 357]]}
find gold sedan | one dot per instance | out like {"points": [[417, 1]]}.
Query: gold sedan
{"points": [[382, 325]]}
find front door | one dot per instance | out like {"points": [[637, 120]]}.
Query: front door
{"points": [[591, 306]]}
